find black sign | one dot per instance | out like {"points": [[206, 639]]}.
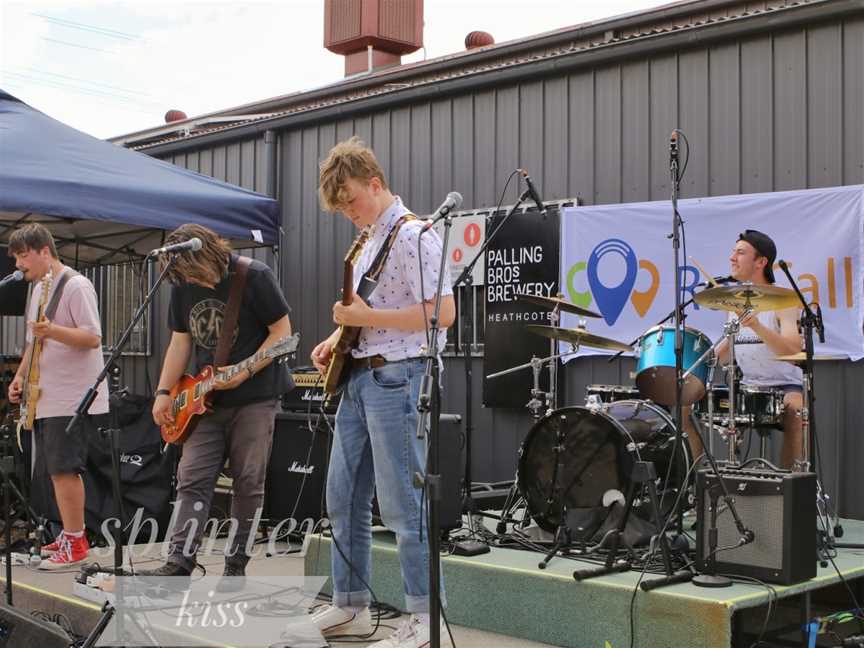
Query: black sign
{"points": [[522, 259]]}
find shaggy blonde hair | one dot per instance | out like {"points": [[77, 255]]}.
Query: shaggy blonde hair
{"points": [[348, 160]]}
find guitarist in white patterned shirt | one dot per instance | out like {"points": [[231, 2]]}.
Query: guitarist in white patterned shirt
{"points": [[375, 443], [244, 411], [70, 360]]}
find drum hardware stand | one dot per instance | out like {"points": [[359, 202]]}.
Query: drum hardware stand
{"points": [[643, 473], [538, 396], [563, 538], [466, 278], [730, 331], [810, 322]]}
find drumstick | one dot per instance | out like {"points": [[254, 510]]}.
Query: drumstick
{"points": [[704, 271]]}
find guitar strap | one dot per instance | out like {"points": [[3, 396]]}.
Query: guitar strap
{"points": [[54, 302], [369, 281], [232, 311]]}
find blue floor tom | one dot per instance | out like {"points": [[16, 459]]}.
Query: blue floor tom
{"points": [[655, 371]]}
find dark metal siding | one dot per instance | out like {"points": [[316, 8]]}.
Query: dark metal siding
{"points": [[763, 113]]}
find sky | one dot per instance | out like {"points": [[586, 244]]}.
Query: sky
{"points": [[112, 68]]}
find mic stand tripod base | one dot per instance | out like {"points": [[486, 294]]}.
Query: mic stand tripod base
{"points": [[711, 580]]}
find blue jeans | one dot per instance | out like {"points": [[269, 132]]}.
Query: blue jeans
{"points": [[376, 443]]}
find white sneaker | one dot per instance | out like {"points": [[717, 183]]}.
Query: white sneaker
{"points": [[412, 634], [334, 621]]}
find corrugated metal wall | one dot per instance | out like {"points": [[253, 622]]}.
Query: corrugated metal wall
{"points": [[773, 112]]}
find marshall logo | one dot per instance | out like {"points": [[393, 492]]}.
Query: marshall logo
{"points": [[297, 467]]}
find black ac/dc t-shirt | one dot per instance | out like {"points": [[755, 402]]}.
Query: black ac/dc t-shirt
{"points": [[199, 311]]}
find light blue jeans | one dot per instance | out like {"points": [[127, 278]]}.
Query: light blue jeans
{"points": [[376, 443]]}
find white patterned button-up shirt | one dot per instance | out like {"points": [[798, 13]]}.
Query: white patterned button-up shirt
{"points": [[399, 285]]}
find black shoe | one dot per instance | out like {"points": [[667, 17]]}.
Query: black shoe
{"points": [[168, 569], [233, 578]]}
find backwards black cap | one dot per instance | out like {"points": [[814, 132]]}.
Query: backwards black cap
{"points": [[764, 246]]}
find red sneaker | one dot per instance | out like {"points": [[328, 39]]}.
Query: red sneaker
{"points": [[70, 551], [48, 550]]}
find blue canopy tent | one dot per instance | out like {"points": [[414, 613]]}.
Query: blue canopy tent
{"points": [[105, 203]]}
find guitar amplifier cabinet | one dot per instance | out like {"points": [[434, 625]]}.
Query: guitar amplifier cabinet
{"points": [[308, 392], [780, 509]]}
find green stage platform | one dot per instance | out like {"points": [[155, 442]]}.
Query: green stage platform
{"points": [[504, 591]]}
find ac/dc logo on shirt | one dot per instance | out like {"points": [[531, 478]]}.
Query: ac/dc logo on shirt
{"points": [[205, 323]]}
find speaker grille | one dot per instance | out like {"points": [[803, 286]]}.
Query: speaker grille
{"points": [[762, 514]]}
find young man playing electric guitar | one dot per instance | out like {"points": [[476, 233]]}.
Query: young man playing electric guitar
{"points": [[241, 423], [70, 358], [375, 442]]}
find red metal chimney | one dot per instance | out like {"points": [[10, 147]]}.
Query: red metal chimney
{"points": [[372, 34]]}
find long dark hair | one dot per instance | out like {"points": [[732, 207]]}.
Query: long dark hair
{"points": [[206, 265]]}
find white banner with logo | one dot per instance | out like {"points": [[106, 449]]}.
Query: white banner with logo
{"points": [[618, 259]]}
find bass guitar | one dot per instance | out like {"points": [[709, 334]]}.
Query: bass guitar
{"points": [[189, 395]]}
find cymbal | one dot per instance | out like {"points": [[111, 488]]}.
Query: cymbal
{"points": [[563, 304], [578, 336], [739, 297], [802, 357]]}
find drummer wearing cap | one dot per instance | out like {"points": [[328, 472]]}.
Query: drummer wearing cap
{"points": [[765, 335]]}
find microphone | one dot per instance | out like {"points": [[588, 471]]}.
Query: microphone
{"points": [[453, 201], [725, 279], [532, 191], [193, 245], [15, 276]]}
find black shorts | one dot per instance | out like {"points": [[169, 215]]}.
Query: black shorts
{"points": [[64, 453]]}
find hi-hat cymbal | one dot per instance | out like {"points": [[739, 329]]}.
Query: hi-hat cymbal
{"points": [[563, 304], [577, 336], [740, 297], [802, 357]]}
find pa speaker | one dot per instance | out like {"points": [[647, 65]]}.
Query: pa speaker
{"points": [[778, 507], [18, 629]]}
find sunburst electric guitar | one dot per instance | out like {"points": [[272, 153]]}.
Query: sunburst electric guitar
{"points": [[340, 357], [189, 395], [31, 392]]}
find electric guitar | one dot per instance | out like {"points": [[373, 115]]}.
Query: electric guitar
{"points": [[189, 395], [339, 364], [30, 392]]}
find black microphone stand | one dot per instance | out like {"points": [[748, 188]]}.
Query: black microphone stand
{"points": [[114, 431], [465, 278], [811, 321], [429, 404], [678, 450]]}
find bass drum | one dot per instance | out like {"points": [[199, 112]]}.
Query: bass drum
{"points": [[596, 457]]}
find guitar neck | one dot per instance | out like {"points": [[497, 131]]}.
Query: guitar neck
{"points": [[238, 368]]}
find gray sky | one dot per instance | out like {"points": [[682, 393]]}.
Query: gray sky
{"points": [[110, 68]]}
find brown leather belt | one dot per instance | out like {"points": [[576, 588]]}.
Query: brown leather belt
{"points": [[369, 362], [375, 361]]}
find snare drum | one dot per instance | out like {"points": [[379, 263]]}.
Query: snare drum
{"points": [[755, 407], [611, 393], [655, 371]]}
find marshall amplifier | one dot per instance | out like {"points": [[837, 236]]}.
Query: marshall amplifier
{"points": [[297, 473], [308, 393], [779, 507]]}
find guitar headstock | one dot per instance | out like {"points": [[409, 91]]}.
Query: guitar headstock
{"points": [[46, 283], [357, 246], [285, 345]]}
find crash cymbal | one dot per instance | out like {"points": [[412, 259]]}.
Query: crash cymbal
{"points": [[802, 357], [577, 336], [563, 304], [739, 297]]}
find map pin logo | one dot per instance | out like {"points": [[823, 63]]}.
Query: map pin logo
{"points": [[611, 299]]}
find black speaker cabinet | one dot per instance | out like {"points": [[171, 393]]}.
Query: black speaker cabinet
{"points": [[780, 509], [297, 473], [18, 629]]}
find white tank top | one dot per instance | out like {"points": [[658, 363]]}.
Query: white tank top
{"points": [[758, 366]]}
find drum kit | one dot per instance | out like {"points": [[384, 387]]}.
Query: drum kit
{"points": [[577, 456]]}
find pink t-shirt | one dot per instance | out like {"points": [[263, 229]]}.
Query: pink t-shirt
{"points": [[65, 372]]}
